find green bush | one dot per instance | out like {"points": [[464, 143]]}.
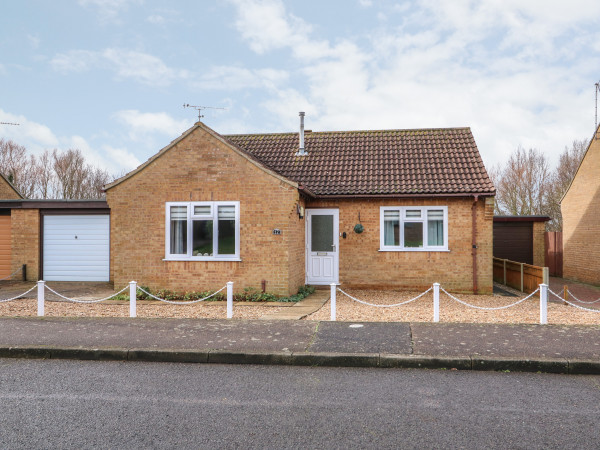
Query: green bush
{"points": [[250, 294]]}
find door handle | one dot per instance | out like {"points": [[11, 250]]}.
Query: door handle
{"points": [[333, 248]]}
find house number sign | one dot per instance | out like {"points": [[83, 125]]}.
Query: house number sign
{"points": [[276, 231]]}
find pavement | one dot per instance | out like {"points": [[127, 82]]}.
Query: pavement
{"points": [[464, 346]]}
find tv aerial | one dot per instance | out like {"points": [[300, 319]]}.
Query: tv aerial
{"points": [[9, 123], [597, 90], [200, 109]]}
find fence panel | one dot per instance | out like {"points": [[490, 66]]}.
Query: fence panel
{"points": [[521, 276], [554, 252]]}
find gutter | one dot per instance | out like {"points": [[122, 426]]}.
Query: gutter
{"points": [[350, 196]]}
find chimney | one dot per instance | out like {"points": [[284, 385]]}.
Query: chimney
{"points": [[301, 150]]}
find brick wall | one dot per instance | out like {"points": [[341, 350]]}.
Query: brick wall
{"points": [[581, 220], [202, 168], [539, 244], [7, 192], [363, 265], [25, 247]]}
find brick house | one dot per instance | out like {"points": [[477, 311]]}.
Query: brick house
{"points": [[377, 209], [580, 209]]}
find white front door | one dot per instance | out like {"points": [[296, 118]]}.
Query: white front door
{"points": [[322, 249]]}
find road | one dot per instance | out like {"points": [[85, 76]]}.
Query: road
{"points": [[85, 404]]}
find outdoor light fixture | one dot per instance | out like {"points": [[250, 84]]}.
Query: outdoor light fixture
{"points": [[300, 211]]}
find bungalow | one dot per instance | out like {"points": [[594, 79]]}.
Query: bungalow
{"points": [[580, 209], [372, 209]]}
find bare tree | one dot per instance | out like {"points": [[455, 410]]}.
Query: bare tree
{"points": [[71, 173], [523, 184], [44, 173], [567, 167], [15, 165]]}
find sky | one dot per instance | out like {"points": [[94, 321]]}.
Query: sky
{"points": [[110, 77]]}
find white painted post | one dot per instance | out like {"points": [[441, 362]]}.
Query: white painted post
{"points": [[333, 301], [41, 288], [546, 275], [543, 304], [436, 302], [132, 299], [229, 299]]}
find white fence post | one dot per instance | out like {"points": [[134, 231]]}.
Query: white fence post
{"points": [[132, 299], [543, 304], [41, 288], [436, 302], [229, 299], [333, 301]]}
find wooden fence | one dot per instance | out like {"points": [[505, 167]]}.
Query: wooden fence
{"points": [[521, 276], [554, 253]]}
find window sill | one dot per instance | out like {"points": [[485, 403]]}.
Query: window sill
{"points": [[206, 258], [436, 250]]}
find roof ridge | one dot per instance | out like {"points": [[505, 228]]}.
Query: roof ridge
{"points": [[291, 133]]}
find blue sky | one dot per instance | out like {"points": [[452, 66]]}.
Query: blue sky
{"points": [[110, 76]]}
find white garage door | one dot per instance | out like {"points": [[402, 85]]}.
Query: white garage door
{"points": [[76, 248]]}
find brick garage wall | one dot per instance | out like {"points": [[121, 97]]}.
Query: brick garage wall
{"points": [[7, 192], [539, 244], [202, 168], [363, 265], [25, 246], [581, 220]]}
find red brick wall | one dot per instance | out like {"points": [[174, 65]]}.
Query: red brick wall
{"points": [[581, 220], [202, 168]]}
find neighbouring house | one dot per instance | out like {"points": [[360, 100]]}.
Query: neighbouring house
{"points": [[580, 209], [56, 240], [7, 191], [521, 239], [372, 209]]}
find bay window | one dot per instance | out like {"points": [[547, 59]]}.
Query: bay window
{"points": [[202, 231], [409, 228]]}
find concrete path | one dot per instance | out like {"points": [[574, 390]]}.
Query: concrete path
{"points": [[303, 308], [582, 291], [545, 348]]}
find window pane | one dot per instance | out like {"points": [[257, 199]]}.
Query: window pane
{"points": [[202, 210], [321, 233], [178, 212], [435, 228], [227, 212], [178, 237], [413, 234], [391, 228], [226, 243], [414, 213], [202, 238]]}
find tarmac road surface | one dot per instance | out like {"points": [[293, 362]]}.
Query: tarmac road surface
{"points": [[93, 404]]}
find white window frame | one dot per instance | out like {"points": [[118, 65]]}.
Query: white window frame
{"points": [[214, 208], [403, 219]]}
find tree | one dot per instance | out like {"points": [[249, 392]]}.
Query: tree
{"points": [[568, 164], [16, 165], [53, 174], [522, 186], [527, 186]]}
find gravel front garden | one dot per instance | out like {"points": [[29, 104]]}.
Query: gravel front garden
{"points": [[421, 310]]}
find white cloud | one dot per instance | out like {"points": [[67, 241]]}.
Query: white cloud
{"points": [[141, 67], [235, 78], [497, 66], [155, 19], [127, 160], [109, 10], [365, 3], [140, 124], [34, 41]]}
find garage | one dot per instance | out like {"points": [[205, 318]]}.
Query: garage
{"points": [[76, 247], [520, 238]]}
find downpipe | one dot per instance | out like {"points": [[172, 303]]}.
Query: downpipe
{"points": [[474, 240]]}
